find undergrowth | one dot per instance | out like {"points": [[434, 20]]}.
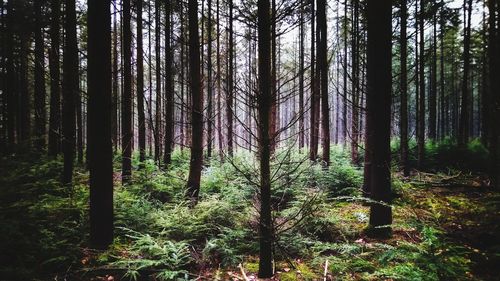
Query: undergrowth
{"points": [[318, 215]]}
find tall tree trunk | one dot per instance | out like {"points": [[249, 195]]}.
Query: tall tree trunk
{"points": [[301, 76], [210, 116], [127, 132], [465, 107], [140, 86], [344, 100], [404, 90], [55, 81], [323, 70], [158, 138], [421, 96], [193, 184], [443, 111], [40, 110], [219, 89], [79, 125], [230, 84], [264, 101], [314, 130], [114, 104], [494, 90], [355, 84], [70, 91], [169, 91], [379, 110], [433, 81], [99, 123], [11, 96]]}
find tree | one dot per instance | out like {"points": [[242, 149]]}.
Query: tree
{"points": [[323, 75], [99, 123], [494, 89], [355, 83], [314, 112], [264, 103], [157, 131], [404, 89], [230, 84], [169, 91], [463, 125], [210, 116], [196, 106], [127, 132], [378, 102], [70, 91], [55, 76], [301, 76], [140, 86], [421, 92], [40, 110]]}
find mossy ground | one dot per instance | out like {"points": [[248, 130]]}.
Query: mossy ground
{"points": [[446, 227]]}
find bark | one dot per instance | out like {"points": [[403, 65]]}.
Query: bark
{"points": [[463, 126], [421, 96], [323, 70], [379, 110], [158, 138], [433, 88], [193, 184], [301, 76], [355, 84], [314, 130], [140, 86], [169, 91], [210, 116], [39, 99], [127, 132], [99, 123], [229, 96], [70, 91], [116, 81], [54, 147], [264, 101], [404, 90]]}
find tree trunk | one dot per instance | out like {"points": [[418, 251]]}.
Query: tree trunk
{"points": [[355, 84], [70, 91], [127, 132], [193, 184], [301, 76], [169, 91], [158, 138], [210, 116], [55, 82], [264, 101], [140, 86], [433, 81], [323, 70], [404, 90], [421, 96], [230, 84], [40, 110], [463, 137], [99, 123], [379, 110], [314, 130], [114, 104]]}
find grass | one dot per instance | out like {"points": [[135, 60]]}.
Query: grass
{"points": [[444, 228]]}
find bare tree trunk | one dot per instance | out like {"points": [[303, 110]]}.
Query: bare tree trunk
{"points": [[55, 81], [193, 184], [379, 111], [169, 91], [404, 90], [264, 101], [127, 132], [140, 86], [99, 123], [229, 96], [39, 99], [323, 70], [465, 107], [421, 98], [158, 138], [70, 91], [210, 116]]}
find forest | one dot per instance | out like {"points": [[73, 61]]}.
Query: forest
{"points": [[249, 140]]}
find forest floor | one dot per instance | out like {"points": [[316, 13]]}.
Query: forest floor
{"points": [[446, 227]]}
